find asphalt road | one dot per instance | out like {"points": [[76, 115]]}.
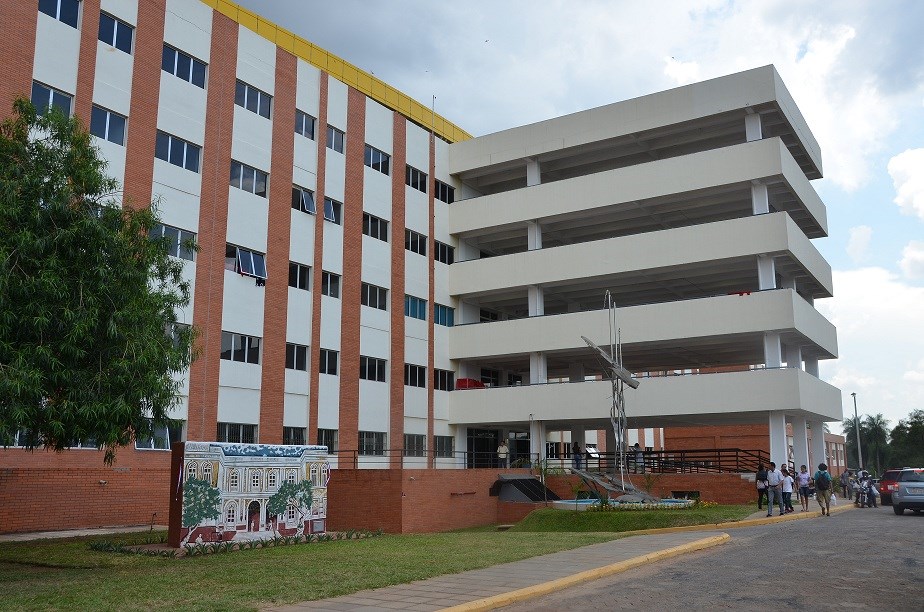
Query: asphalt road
{"points": [[868, 558]]}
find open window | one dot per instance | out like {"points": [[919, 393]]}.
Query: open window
{"points": [[246, 262]]}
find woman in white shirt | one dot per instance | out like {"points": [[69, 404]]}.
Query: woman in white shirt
{"points": [[787, 490], [803, 479]]}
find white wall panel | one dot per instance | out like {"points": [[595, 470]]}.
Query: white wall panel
{"points": [[256, 61], [237, 405], [176, 208], [112, 81], [328, 404], [243, 306], [182, 109], [166, 175], [295, 411], [298, 316], [373, 408], [188, 27], [337, 107], [415, 348], [252, 140], [335, 177], [307, 90], [379, 127], [374, 339], [115, 158], [332, 247], [305, 162], [57, 51], [377, 192], [376, 264], [330, 324], [247, 220], [301, 238], [297, 382], [416, 276], [418, 149], [127, 10], [416, 211]]}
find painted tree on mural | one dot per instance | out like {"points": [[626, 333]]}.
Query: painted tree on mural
{"points": [[90, 348], [296, 495], [200, 503]]}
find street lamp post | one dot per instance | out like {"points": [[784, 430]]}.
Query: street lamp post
{"points": [[856, 424]]}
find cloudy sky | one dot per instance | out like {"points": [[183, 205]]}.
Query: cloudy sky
{"points": [[855, 68]]}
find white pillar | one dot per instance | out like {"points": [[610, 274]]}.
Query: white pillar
{"points": [[537, 440], [773, 357], [794, 356], [811, 366], [577, 435], [752, 127], [533, 235], [461, 445], [533, 176], [778, 451], [766, 272], [536, 300], [538, 368], [800, 454], [818, 445], [760, 201], [789, 282]]}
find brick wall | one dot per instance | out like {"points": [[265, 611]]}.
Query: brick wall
{"points": [[18, 53], [722, 488]]}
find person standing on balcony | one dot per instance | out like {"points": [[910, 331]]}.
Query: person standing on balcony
{"points": [[639, 459], [774, 486], [503, 454], [576, 456]]}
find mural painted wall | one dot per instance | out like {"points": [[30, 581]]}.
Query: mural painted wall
{"points": [[224, 491]]}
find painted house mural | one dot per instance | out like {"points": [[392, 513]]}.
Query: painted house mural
{"points": [[224, 491]]}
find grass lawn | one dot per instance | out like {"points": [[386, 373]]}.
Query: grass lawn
{"points": [[549, 520], [64, 574]]}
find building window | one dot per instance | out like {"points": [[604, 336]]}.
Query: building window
{"points": [[161, 437], [377, 160], [443, 446], [328, 361], [65, 11], [328, 438], [293, 436], [332, 211], [330, 284], [180, 243], [444, 380], [443, 253], [207, 472], [296, 357], [303, 200], [272, 477], [248, 178], [443, 315], [230, 513], [415, 375], [444, 192], [514, 380], [238, 347], [373, 297], [489, 377], [415, 307], [304, 124], [253, 99], [237, 433], [299, 276], [107, 125], [414, 445], [415, 178], [371, 368], [45, 97], [191, 471], [291, 512], [234, 478], [116, 33], [375, 227], [371, 442], [414, 242], [254, 480], [245, 262], [185, 66], [177, 151], [335, 139]]}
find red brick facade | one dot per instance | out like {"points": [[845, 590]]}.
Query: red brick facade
{"points": [[397, 357], [86, 68], [18, 53]]}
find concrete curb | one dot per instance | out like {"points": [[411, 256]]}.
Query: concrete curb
{"points": [[504, 599]]}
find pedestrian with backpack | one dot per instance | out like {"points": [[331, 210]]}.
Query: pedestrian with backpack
{"points": [[823, 488]]}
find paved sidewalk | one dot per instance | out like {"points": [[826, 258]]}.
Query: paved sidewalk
{"points": [[518, 580], [72, 533]]}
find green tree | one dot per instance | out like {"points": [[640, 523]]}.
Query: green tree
{"points": [[877, 442], [850, 434], [297, 495], [200, 503], [89, 346], [907, 446]]}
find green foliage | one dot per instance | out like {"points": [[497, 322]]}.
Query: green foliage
{"points": [[907, 446], [295, 494], [200, 503], [874, 443], [88, 347]]}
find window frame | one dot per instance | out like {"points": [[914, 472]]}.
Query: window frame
{"points": [[257, 176], [54, 96], [59, 11], [333, 211], [296, 357], [444, 253], [244, 93], [443, 315], [443, 191], [440, 444], [173, 141], [415, 445], [415, 307], [289, 439], [336, 139], [244, 436], [373, 369], [415, 375], [415, 242], [107, 131], [372, 443], [301, 275], [416, 179], [302, 124], [303, 200], [328, 359], [375, 227], [248, 346], [241, 255], [330, 284], [329, 438], [444, 380], [114, 40], [198, 70], [373, 296], [180, 247], [377, 160]]}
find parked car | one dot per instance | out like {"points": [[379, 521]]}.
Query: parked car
{"points": [[909, 492], [887, 484]]}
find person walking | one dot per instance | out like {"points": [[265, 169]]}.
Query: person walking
{"points": [[787, 487], [503, 454], [761, 484], [845, 484], [822, 480], [774, 492], [803, 479]]}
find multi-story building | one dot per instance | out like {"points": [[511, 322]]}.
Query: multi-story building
{"points": [[351, 269]]}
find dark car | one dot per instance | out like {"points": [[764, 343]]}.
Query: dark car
{"points": [[909, 492]]}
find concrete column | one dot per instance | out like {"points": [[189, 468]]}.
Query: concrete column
{"points": [[576, 372], [794, 356], [533, 176], [766, 272], [577, 435], [817, 450], [811, 366], [778, 450], [752, 127], [760, 201], [537, 435], [773, 357], [467, 251], [538, 368], [536, 300], [789, 282], [533, 235], [461, 446], [800, 455]]}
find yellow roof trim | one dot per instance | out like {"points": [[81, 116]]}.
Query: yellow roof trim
{"points": [[342, 70]]}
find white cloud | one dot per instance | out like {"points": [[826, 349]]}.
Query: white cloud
{"points": [[858, 243], [912, 262], [880, 334], [907, 172], [681, 73]]}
